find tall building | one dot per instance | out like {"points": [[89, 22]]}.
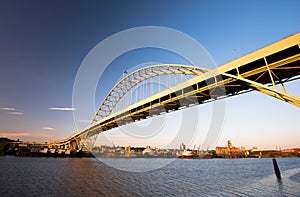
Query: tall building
{"points": [[229, 144], [182, 147]]}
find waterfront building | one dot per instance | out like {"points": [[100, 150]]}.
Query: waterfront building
{"points": [[182, 147], [230, 151], [148, 150]]}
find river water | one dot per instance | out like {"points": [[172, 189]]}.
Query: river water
{"points": [[29, 176]]}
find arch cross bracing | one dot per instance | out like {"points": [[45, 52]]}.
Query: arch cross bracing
{"points": [[138, 76]]}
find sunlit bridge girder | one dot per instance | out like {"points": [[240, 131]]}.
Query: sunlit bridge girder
{"points": [[265, 70]]}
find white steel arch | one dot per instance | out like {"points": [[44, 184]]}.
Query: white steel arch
{"points": [[138, 76]]}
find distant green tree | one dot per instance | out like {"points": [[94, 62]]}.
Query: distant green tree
{"points": [[4, 144]]}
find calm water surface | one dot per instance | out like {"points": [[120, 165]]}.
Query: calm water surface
{"points": [[28, 176]]}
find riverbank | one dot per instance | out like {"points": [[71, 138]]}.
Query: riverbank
{"points": [[81, 154], [27, 149]]}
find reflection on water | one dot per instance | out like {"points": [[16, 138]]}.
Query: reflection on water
{"points": [[136, 165], [25, 176], [296, 177]]}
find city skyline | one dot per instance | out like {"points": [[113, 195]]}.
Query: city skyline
{"points": [[42, 51]]}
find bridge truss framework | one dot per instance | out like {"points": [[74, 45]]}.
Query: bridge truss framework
{"points": [[265, 70]]}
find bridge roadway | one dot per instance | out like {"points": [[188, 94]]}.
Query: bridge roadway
{"points": [[263, 70]]}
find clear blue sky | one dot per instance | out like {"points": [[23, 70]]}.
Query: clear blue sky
{"points": [[42, 45]]}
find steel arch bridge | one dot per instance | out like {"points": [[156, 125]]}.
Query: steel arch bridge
{"points": [[136, 77], [265, 70]]}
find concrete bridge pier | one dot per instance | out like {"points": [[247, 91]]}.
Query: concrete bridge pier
{"points": [[73, 145]]}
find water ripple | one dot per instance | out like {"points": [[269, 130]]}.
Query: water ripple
{"points": [[21, 176]]}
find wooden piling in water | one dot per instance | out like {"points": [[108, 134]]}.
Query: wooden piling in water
{"points": [[276, 168]]}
